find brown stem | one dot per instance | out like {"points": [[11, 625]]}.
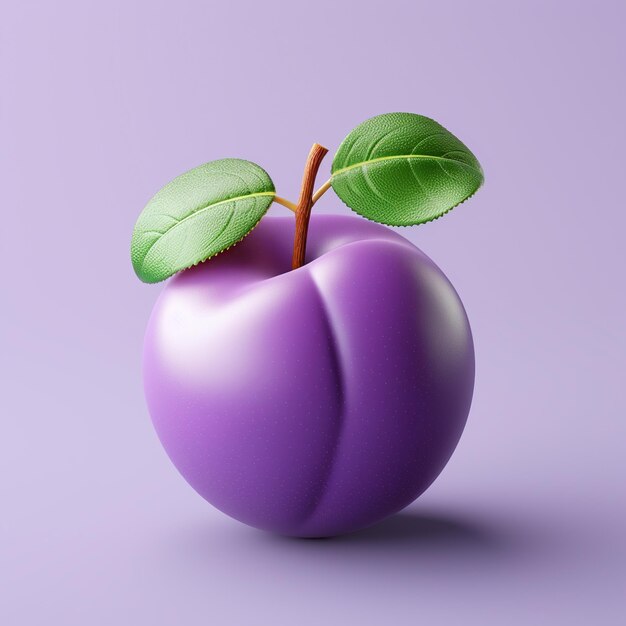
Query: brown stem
{"points": [[305, 202]]}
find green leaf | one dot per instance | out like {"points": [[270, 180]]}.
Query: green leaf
{"points": [[198, 215], [401, 169]]}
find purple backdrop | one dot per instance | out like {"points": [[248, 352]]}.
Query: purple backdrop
{"points": [[102, 103]]}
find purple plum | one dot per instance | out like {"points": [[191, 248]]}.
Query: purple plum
{"points": [[317, 401]]}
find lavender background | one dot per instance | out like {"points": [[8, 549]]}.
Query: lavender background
{"points": [[102, 103]]}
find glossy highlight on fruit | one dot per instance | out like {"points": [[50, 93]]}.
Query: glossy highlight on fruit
{"points": [[316, 401]]}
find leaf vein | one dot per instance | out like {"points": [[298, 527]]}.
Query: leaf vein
{"points": [[201, 210], [398, 157]]}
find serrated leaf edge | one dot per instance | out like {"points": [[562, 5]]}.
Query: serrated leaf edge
{"points": [[212, 256], [418, 223]]}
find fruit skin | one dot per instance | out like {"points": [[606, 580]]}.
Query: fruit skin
{"points": [[312, 402]]}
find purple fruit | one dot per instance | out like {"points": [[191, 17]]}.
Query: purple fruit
{"points": [[317, 401]]}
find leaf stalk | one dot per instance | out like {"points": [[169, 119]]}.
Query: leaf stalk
{"points": [[292, 206], [320, 192]]}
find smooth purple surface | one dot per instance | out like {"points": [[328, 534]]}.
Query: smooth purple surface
{"points": [[313, 402], [101, 103]]}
